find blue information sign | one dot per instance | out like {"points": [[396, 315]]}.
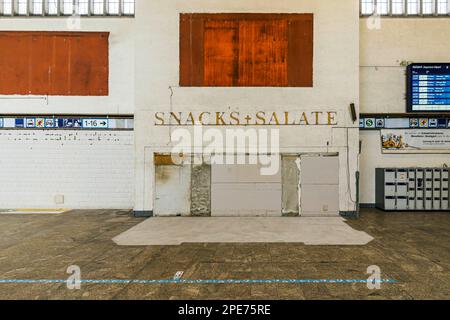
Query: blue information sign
{"points": [[429, 87]]}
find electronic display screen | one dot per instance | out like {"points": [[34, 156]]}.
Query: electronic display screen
{"points": [[429, 87]]}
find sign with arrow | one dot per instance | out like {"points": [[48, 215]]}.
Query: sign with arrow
{"points": [[95, 123]]}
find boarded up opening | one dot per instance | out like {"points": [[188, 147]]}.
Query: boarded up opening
{"points": [[246, 50], [241, 190], [319, 179], [54, 63]]}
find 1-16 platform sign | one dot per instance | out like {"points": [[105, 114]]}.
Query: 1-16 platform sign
{"points": [[95, 123]]}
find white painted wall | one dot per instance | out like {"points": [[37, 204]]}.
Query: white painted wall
{"points": [[121, 69], [383, 81], [383, 84], [336, 83], [92, 169]]}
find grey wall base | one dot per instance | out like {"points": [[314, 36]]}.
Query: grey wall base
{"points": [[368, 205], [349, 214], [143, 214], [149, 214]]}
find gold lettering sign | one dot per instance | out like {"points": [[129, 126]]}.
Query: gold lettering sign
{"points": [[260, 118]]}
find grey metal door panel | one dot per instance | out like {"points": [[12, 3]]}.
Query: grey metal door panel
{"points": [[320, 170], [319, 186], [320, 200], [246, 199], [241, 190]]}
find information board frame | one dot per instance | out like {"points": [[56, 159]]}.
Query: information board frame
{"points": [[409, 86]]}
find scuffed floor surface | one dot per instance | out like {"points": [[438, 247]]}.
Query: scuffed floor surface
{"points": [[176, 231], [413, 249]]}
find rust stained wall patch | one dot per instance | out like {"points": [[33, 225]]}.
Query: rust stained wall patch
{"points": [[54, 63]]}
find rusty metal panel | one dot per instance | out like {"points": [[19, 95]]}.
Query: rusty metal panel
{"points": [[221, 58], [263, 53], [59, 68], [88, 65], [54, 63], [191, 50], [39, 65], [245, 49], [301, 47], [14, 59]]}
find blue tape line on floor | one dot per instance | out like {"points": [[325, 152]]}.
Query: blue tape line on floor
{"points": [[319, 281]]}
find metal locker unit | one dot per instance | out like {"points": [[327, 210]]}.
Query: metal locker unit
{"points": [[428, 189], [413, 189], [402, 203], [401, 176], [420, 186], [428, 204], [386, 189], [392, 189], [402, 189], [437, 176], [445, 190]]}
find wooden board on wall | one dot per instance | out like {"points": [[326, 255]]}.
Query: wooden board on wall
{"points": [[54, 63], [246, 49]]}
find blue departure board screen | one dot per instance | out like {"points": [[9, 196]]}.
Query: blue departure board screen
{"points": [[429, 87]]}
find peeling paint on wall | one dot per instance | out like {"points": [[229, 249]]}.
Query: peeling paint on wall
{"points": [[201, 191], [290, 182]]}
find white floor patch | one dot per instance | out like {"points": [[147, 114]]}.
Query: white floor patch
{"points": [[175, 231], [33, 211]]}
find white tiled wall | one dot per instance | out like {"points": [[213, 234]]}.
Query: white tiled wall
{"points": [[91, 169]]}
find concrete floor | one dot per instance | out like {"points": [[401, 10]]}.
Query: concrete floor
{"points": [[413, 249], [306, 230]]}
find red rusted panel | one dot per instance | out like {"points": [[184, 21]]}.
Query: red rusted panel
{"points": [[191, 50], [14, 61], [300, 58], [88, 65], [263, 53], [246, 50], [197, 49], [59, 66], [39, 65], [54, 63], [221, 64]]}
